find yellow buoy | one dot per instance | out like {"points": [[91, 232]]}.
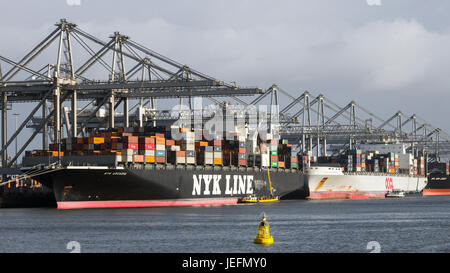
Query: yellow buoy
{"points": [[263, 236]]}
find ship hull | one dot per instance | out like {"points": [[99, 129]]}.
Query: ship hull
{"points": [[84, 187], [438, 184], [360, 186]]}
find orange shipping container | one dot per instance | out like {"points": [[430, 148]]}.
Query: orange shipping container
{"points": [[217, 161], [96, 140], [203, 143], [280, 164], [149, 159], [170, 142], [181, 153], [160, 140]]}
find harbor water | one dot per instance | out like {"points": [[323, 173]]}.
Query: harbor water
{"points": [[412, 224]]}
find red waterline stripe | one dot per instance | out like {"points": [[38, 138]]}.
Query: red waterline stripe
{"points": [[428, 192], [144, 203], [344, 195]]}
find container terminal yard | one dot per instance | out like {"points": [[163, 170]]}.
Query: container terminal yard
{"points": [[124, 126]]}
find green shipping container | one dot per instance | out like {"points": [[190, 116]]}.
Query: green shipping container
{"points": [[274, 147], [275, 164], [274, 153], [294, 165], [285, 141]]}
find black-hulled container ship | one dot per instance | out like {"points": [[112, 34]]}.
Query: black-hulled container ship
{"points": [[26, 193], [16, 192], [438, 179], [144, 167]]}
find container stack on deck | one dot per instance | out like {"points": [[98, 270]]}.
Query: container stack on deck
{"points": [[154, 145], [356, 160]]}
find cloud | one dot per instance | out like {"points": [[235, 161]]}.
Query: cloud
{"points": [[343, 51]]}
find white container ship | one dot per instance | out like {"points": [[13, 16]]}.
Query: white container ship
{"points": [[327, 182]]}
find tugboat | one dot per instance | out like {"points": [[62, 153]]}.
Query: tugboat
{"points": [[261, 199], [263, 236], [395, 193]]}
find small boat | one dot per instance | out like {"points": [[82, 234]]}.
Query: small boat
{"points": [[261, 199], [395, 193]]}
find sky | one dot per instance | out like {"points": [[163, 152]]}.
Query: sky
{"points": [[386, 55]]}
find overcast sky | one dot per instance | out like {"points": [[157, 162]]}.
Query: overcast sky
{"points": [[387, 55]]}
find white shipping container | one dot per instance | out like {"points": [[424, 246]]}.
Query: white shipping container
{"points": [[128, 158], [175, 148], [217, 154], [209, 161], [118, 158], [190, 160], [265, 160], [160, 147], [181, 160], [190, 147], [150, 152], [209, 155]]}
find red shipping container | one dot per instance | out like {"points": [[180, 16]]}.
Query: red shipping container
{"points": [[294, 159], [242, 162], [217, 142], [242, 150], [160, 159], [146, 146], [274, 158], [160, 135], [131, 146]]}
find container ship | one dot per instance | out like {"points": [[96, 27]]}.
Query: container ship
{"points": [[438, 179], [26, 193], [146, 167], [361, 175]]}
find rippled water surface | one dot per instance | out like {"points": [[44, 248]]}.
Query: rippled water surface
{"points": [[414, 224]]}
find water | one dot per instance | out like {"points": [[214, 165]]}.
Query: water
{"points": [[415, 224]]}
